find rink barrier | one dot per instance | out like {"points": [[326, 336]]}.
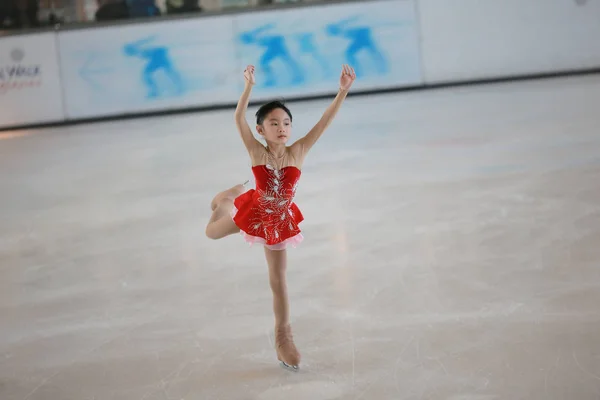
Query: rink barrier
{"points": [[171, 65]]}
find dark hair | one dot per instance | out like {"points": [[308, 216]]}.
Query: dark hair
{"points": [[265, 109]]}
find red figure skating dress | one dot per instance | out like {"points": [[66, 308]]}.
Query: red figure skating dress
{"points": [[267, 214]]}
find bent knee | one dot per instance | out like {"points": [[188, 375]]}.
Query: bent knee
{"points": [[220, 229], [239, 190], [211, 233]]}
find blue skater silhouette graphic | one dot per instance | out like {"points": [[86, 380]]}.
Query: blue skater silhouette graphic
{"points": [[158, 58], [275, 47], [308, 45], [361, 38]]}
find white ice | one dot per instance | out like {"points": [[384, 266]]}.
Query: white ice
{"points": [[452, 251]]}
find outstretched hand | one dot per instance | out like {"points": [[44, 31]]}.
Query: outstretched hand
{"points": [[347, 77], [249, 75]]}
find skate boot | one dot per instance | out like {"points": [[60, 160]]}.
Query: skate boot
{"points": [[287, 354]]}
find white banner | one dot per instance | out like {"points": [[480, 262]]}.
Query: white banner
{"points": [[466, 40], [30, 87]]}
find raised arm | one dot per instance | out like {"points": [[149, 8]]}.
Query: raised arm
{"points": [[346, 79], [240, 113]]}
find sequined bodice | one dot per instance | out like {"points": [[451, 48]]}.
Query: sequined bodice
{"points": [[275, 189]]}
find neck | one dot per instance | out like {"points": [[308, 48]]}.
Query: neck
{"points": [[278, 150]]}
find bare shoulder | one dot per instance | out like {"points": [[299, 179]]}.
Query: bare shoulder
{"points": [[298, 152], [258, 154]]}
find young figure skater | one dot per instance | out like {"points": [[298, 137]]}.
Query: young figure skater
{"points": [[267, 214]]}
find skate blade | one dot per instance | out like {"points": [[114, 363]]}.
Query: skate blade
{"points": [[285, 366]]}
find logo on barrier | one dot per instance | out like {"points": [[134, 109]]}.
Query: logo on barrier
{"points": [[309, 55], [17, 55], [18, 74], [157, 59]]}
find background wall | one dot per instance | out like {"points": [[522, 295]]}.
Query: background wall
{"points": [[464, 40], [177, 64]]}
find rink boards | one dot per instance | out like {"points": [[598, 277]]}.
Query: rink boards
{"points": [[107, 71]]}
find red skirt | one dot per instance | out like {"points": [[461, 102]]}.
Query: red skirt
{"points": [[271, 223]]}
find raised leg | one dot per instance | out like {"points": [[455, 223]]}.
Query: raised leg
{"points": [[284, 342], [230, 194], [220, 223]]}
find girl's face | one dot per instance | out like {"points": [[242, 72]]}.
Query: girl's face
{"points": [[276, 127]]}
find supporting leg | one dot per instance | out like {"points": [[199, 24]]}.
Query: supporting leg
{"points": [[284, 342], [277, 261]]}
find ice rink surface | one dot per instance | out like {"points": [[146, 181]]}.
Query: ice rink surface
{"points": [[452, 251]]}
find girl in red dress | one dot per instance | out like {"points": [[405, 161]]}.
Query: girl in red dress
{"points": [[267, 215]]}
